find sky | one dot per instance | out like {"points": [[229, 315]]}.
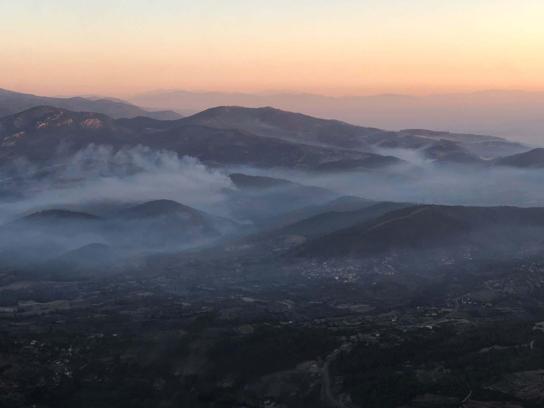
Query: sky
{"points": [[340, 47]]}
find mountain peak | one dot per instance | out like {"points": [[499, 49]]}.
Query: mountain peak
{"points": [[233, 110], [157, 208]]}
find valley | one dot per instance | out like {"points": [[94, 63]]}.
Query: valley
{"points": [[261, 258]]}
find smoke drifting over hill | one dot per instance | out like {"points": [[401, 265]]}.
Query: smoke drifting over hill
{"points": [[99, 174], [427, 182]]}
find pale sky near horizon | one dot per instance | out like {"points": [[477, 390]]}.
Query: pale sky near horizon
{"points": [[121, 47]]}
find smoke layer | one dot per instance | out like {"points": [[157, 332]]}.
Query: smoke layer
{"points": [[98, 175]]}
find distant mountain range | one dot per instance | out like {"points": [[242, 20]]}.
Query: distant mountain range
{"points": [[14, 102], [262, 137], [515, 115], [275, 123], [38, 134]]}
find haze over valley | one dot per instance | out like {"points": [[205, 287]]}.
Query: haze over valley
{"points": [[254, 212], [507, 113], [346, 211]]}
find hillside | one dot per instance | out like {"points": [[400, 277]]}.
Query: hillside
{"points": [[38, 134], [14, 102], [527, 160], [427, 227]]}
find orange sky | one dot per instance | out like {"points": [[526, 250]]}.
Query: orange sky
{"points": [[121, 47]]}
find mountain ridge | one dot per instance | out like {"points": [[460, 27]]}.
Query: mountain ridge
{"points": [[422, 227], [12, 102], [262, 137], [518, 112], [38, 132]]}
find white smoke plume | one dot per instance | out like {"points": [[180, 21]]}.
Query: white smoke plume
{"points": [[100, 174]]}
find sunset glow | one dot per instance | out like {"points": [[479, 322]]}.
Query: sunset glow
{"points": [[341, 47]]}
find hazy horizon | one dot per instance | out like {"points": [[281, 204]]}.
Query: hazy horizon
{"points": [[347, 48], [511, 114], [269, 92]]}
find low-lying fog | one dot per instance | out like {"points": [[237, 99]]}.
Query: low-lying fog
{"points": [[421, 181], [112, 190], [433, 185], [98, 176]]}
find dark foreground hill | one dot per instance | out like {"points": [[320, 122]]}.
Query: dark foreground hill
{"points": [[430, 227], [160, 225], [337, 219], [166, 225], [533, 159]]}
